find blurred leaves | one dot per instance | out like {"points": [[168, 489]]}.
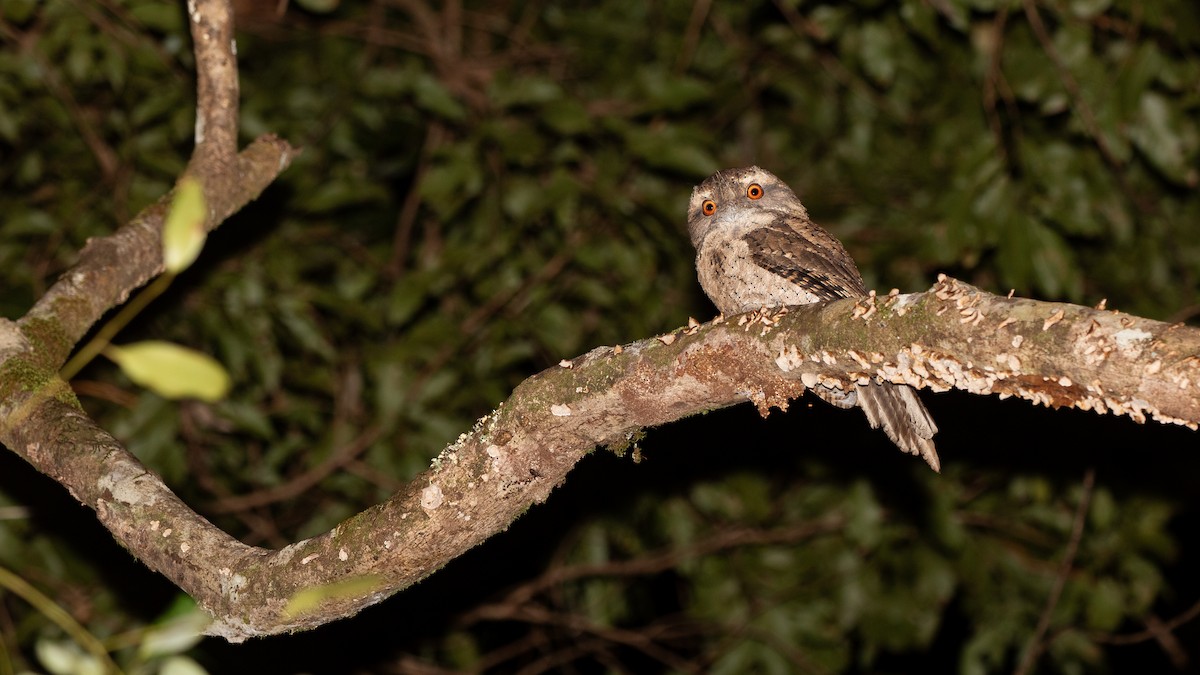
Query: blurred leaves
{"points": [[477, 200], [844, 596]]}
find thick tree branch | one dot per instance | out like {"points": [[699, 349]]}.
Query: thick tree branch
{"points": [[953, 336]]}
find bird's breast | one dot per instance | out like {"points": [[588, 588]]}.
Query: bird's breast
{"points": [[736, 284]]}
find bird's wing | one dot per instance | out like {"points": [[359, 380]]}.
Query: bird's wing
{"points": [[807, 256]]}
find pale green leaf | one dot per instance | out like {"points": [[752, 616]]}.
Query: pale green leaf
{"points": [[172, 371], [181, 665], [174, 635], [309, 599], [183, 234], [63, 657]]}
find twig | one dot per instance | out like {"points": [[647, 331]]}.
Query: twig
{"points": [[995, 84], [472, 325], [105, 156], [636, 640], [1080, 104], [59, 617], [1150, 633], [106, 333], [211, 22], [691, 35], [1160, 631], [1068, 80], [654, 562], [435, 133], [1036, 646], [302, 482]]}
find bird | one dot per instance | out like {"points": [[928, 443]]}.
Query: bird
{"points": [[756, 248]]}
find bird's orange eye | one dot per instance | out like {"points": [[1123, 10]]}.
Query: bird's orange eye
{"points": [[755, 191], [709, 207]]}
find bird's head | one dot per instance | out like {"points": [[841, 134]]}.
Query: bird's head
{"points": [[744, 197]]}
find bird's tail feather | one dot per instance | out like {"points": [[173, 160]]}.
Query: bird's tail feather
{"points": [[904, 419]]}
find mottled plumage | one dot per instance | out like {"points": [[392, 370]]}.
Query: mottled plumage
{"points": [[757, 248]]}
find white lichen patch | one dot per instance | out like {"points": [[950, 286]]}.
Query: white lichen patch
{"points": [[560, 410], [284, 555], [431, 497], [1131, 341], [901, 303], [309, 558], [184, 547], [129, 483], [231, 584], [343, 555]]}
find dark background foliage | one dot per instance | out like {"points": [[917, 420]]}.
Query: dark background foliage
{"points": [[489, 187]]}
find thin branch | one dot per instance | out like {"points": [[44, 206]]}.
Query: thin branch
{"points": [[1036, 645], [1159, 631], [633, 639], [211, 22], [995, 86], [1081, 105], [1167, 641], [301, 483], [654, 563], [1069, 82], [60, 617], [1151, 633], [435, 135], [691, 35]]}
